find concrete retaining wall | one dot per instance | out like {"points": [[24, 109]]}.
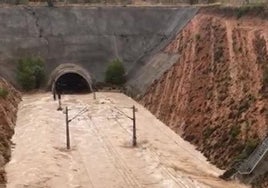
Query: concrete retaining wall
{"points": [[87, 36]]}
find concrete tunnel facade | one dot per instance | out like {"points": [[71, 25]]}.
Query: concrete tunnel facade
{"points": [[69, 68], [91, 37]]}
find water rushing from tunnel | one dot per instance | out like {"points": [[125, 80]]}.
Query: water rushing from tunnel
{"points": [[101, 154]]}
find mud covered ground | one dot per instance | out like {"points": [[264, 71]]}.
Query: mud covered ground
{"points": [[101, 154]]}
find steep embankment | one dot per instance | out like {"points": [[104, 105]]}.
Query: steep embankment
{"points": [[9, 99], [215, 96]]}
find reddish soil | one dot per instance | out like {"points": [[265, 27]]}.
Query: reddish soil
{"points": [[215, 96], [8, 111]]}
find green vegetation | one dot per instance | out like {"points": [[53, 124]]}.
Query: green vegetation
{"points": [[197, 36], [251, 144], [3, 93], [115, 73], [30, 73], [228, 174], [249, 147], [235, 131]]}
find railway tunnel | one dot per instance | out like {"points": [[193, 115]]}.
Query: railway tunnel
{"points": [[73, 83], [72, 79]]}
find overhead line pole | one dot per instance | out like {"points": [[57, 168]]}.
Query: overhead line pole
{"points": [[68, 121], [134, 139], [67, 129], [134, 130]]}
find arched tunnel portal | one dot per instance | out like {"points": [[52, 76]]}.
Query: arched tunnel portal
{"points": [[71, 78]]}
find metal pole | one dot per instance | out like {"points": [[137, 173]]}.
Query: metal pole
{"points": [[59, 98], [67, 129], [94, 95], [134, 140], [54, 95], [54, 91]]}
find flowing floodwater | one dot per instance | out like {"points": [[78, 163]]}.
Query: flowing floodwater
{"points": [[101, 155]]}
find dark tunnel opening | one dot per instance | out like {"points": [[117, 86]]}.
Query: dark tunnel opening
{"points": [[72, 83]]}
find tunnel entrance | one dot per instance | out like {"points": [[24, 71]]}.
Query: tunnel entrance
{"points": [[73, 83]]}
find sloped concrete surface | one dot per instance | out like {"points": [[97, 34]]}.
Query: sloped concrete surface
{"points": [[151, 71]]}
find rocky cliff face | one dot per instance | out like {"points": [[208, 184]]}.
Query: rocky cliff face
{"points": [[8, 110], [215, 96]]}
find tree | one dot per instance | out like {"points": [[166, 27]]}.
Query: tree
{"points": [[30, 73], [115, 73]]}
